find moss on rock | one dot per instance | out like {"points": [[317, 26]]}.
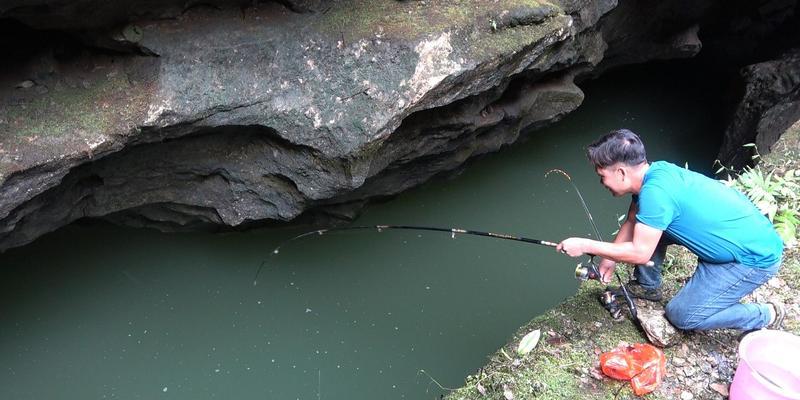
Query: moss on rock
{"points": [[358, 19]]}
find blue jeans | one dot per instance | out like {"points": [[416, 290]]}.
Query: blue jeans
{"points": [[710, 300]]}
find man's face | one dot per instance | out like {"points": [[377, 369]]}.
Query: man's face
{"points": [[613, 178]]}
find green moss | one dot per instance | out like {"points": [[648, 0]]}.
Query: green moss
{"points": [[553, 370], [89, 111], [508, 41], [359, 19]]}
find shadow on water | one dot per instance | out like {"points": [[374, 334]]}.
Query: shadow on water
{"points": [[105, 312]]}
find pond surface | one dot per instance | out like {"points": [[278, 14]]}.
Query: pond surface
{"points": [[102, 312]]}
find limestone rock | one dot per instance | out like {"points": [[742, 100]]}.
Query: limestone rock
{"points": [[229, 113], [770, 105], [659, 331]]}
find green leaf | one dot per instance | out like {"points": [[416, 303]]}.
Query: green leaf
{"points": [[529, 342], [786, 225]]}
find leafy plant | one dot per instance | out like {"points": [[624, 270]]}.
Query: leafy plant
{"points": [[786, 223], [776, 195]]}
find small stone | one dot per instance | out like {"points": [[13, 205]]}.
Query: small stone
{"points": [[538, 387], [481, 389], [687, 396], [507, 393], [677, 361], [706, 368], [720, 388], [27, 84], [658, 330], [132, 33], [689, 371]]}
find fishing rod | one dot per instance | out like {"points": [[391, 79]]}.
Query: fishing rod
{"points": [[381, 228], [582, 271], [590, 271]]}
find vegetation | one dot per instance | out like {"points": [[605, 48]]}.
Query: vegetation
{"points": [[775, 191]]}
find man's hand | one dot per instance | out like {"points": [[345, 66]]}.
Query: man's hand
{"points": [[606, 269], [573, 247]]}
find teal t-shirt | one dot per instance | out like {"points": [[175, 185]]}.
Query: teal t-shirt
{"points": [[716, 222]]}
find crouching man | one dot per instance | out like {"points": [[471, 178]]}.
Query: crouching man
{"points": [[737, 247]]}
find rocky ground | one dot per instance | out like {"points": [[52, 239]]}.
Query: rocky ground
{"points": [[565, 364]]}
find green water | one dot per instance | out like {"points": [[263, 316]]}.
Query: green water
{"points": [[104, 312]]}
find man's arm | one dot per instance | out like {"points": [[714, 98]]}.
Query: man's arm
{"points": [[634, 244]]}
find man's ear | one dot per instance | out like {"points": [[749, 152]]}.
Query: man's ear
{"points": [[623, 172]]}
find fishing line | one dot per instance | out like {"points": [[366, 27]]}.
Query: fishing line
{"points": [[381, 228], [580, 196], [628, 299]]}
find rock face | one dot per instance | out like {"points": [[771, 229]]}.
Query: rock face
{"points": [[226, 113], [770, 105]]}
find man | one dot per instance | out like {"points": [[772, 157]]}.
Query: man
{"points": [[737, 247]]}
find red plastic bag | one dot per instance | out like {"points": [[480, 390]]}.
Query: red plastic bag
{"points": [[643, 364]]}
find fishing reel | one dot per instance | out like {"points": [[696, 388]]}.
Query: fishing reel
{"points": [[610, 299], [587, 270]]}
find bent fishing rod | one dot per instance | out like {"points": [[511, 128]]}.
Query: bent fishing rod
{"points": [[381, 228], [582, 272], [590, 271]]}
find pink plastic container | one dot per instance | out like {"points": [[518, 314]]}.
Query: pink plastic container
{"points": [[769, 367]]}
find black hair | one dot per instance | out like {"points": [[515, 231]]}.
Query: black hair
{"points": [[620, 145]]}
